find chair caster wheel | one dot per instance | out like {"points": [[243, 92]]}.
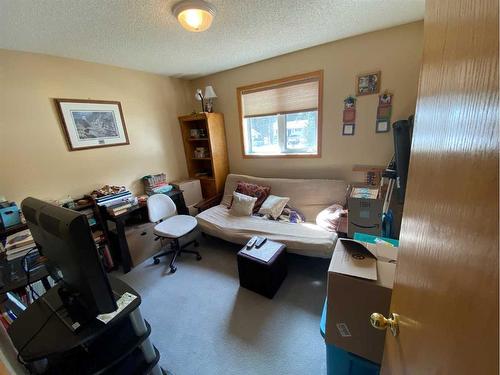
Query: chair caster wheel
{"points": [[156, 261], [198, 257], [196, 244], [173, 269]]}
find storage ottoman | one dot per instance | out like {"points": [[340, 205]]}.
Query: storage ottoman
{"points": [[260, 276]]}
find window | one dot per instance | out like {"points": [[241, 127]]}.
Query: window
{"points": [[283, 117]]}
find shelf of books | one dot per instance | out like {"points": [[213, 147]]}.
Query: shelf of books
{"points": [[98, 233], [21, 263], [20, 260]]}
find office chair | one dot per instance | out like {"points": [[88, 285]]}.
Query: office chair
{"points": [[170, 226]]}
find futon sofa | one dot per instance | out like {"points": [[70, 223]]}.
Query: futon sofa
{"points": [[309, 196]]}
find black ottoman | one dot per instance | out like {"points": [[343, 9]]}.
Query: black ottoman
{"points": [[260, 276]]}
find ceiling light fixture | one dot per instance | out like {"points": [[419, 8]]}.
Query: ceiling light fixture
{"points": [[194, 15]]}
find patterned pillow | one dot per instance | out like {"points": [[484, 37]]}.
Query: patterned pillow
{"points": [[252, 190]]}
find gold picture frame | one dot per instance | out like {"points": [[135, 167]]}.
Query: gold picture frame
{"points": [[368, 83]]}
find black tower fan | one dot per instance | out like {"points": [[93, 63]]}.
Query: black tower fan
{"points": [[402, 131]]}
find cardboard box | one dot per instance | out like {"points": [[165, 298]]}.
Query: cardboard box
{"points": [[360, 279], [365, 216]]}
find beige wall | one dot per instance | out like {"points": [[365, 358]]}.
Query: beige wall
{"points": [[396, 52], [34, 158]]}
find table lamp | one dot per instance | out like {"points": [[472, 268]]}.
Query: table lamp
{"points": [[199, 96], [210, 95]]}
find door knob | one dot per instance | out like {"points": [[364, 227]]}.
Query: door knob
{"points": [[379, 321]]}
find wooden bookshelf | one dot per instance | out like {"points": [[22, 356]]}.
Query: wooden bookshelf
{"points": [[215, 164]]}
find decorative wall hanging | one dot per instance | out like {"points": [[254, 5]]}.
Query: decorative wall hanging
{"points": [[384, 111], [367, 84], [349, 115], [348, 129], [92, 123]]}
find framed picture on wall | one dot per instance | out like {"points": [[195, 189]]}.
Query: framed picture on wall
{"points": [[92, 123], [348, 129], [367, 84], [382, 126]]}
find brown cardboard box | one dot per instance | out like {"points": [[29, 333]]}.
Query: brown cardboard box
{"points": [[365, 216], [360, 279]]}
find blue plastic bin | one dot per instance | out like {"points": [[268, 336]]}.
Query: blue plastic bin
{"points": [[340, 362], [10, 216]]}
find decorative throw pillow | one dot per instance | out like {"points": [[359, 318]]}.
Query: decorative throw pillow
{"points": [[273, 206], [252, 190], [242, 205], [330, 218]]}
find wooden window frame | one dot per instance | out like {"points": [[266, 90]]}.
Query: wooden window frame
{"points": [[318, 74]]}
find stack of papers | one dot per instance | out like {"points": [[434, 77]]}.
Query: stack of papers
{"points": [[265, 252], [19, 244]]}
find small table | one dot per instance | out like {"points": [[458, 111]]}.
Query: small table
{"points": [[260, 276]]}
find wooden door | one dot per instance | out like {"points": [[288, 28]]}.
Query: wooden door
{"points": [[446, 288]]}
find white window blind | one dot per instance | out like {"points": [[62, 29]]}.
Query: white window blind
{"points": [[290, 97], [282, 117]]}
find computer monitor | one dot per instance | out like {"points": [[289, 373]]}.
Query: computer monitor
{"points": [[65, 238]]}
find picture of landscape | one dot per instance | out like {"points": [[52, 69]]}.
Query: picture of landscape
{"points": [[95, 124]]}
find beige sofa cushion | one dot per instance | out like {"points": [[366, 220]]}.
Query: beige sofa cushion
{"points": [[310, 196], [304, 238]]}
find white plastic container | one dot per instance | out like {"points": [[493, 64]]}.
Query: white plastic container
{"points": [[191, 190]]}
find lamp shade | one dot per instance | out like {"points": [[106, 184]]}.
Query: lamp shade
{"points": [[210, 92], [198, 95]]}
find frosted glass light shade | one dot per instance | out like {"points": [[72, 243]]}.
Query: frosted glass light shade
{"points": [[194, 15], [210, 92]]}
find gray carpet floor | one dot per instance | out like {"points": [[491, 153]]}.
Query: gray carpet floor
{"points": [[204, 323]]}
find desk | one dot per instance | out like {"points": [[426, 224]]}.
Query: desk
{"points": [[120, 347], [139, 210]]}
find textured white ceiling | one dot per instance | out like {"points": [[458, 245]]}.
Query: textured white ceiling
{"points": [[144, 35]]}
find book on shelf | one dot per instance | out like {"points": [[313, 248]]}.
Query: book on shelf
{"points": [[98, 236], [19, 239], [106, 257], [10, 316], [119, 208], [34, 261], [20, 254], [16, 250], [9, 311], [13, 302], [117, 213]]}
